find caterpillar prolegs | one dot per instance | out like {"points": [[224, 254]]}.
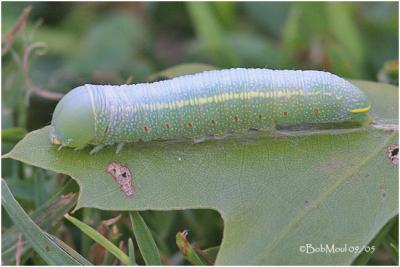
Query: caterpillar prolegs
{"points": [[207, 103]]}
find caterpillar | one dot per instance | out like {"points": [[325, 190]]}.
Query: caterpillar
{"points": [[208, 103]]}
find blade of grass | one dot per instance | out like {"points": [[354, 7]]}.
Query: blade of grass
{"points": [[46, 245], [68, 249], [210, 33], [101, 240], [395, 251], [22, 189], [146, 243], [187, 250], [40, 192], [292, 39], [226, 12], [131, 251], [86, 242], [47, 215], [13, 135], [108, 258], [389, 244]]}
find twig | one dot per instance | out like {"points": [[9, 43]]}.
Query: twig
{"points": [[19, 249], [37, 24], [111, 221], [10, 36], [29, 49], [24, 61], [129, 80], [47, 94], [33, 89]]}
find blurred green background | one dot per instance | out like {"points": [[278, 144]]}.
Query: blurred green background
{"points": [[67, 44]]}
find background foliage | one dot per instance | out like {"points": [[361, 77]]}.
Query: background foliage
{"points": [[64, 45]]}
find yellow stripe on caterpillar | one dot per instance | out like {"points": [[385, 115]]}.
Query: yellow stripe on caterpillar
{"points": [[361, 110]]}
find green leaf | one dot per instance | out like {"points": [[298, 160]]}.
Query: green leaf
{"points": [[340, 17], [254, 51], [131, 250], [47, 215], [101, 240], [52, 250], [270, 16], [12, 135], [274, 193], [145, 240], [209, 32], [129, 37], [187, 250], [182, 69], [226, 13], [292, 38]]}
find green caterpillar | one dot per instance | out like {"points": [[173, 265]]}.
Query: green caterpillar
{"points": [[208, 103]]}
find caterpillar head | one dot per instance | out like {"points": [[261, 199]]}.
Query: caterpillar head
{"points": [[72, 124]]}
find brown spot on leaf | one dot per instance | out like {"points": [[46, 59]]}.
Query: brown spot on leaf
{"points": [[393, 153], [122, 175]]}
